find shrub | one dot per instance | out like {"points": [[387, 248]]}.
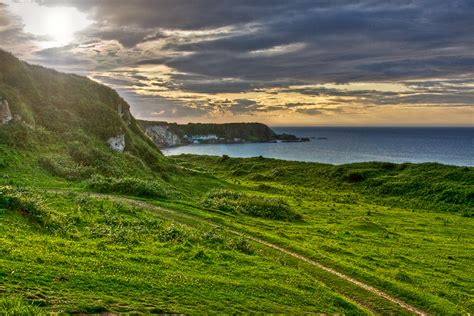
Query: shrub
{"points": [[225, 158], [7, 156], [86, 154], [65, 168], [128, 185], [31, 206], [242, 245], [15, 305], [172, 233], [16, 135], [253, 205], [357, 176]]}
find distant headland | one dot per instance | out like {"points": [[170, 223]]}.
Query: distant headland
{"points": [[166, 134]]}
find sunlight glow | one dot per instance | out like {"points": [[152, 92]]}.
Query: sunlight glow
{"points": [[54, 26]]}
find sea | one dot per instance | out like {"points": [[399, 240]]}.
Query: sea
{"points": [[341, 145]]}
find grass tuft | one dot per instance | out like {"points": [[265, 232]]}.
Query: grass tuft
{"points": [[249, 204]]}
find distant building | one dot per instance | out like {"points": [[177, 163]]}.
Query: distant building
{"points": [[199, 138]]}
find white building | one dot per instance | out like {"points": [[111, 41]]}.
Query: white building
{"points": [[194, 138]]}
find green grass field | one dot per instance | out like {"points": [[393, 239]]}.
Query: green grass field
{"points": [[415, 249], [67, 250], [84, 254]]}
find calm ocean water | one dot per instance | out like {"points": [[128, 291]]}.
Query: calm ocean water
{"points": [[453, 146]]}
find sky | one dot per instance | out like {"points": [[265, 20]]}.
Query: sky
{"points": [[298, 62]]}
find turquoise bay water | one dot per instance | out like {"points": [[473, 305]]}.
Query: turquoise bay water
{"points": [[339, 145]]}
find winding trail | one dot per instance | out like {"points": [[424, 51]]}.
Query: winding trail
{"points": [[407, 307], [365, 286]]}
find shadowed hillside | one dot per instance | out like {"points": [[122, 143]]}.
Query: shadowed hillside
{"points": [[71, 122]]}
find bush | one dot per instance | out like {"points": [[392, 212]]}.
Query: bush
{"points": [[356, 176], [128, 185], [31, 206], [172, 233], [7, 156], [18, 306], [249, 204], [225, 158], [242, 245], [65, 168], [87, 154], [16, 135]]}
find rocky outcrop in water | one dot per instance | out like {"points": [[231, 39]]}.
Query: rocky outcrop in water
{"points": [[117, 143], [5, 113]]}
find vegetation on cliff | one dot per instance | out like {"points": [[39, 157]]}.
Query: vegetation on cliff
{"points": [[73, 117], [255, 132]]}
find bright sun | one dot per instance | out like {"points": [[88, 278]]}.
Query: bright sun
{"points": [[55, 26]]}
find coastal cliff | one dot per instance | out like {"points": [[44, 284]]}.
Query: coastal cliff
{"points": [[166, 134], [161, 135]]}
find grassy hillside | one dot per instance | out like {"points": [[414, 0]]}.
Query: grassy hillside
{"points": [[422, 186], [68, 119], [414, 240], [86, 229], [97, 255]]}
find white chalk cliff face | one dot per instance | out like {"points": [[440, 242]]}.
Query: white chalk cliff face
{"points": [[117, 143], [162, 136], [5, 113]]}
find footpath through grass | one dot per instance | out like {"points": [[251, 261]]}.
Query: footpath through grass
{"points": [[411, 249], [70, 253]]}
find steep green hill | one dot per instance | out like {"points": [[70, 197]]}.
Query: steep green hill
{"points": [[68, 120]]}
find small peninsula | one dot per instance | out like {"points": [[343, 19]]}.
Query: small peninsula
{"points": [[166, 134]]}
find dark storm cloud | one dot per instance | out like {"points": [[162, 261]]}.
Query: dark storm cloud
{"points": [[180, 14], [429, 67], [243, 106], [210, 85], [128, 37], [157, 107], [351, 42], [344, 40], [272, 46]]}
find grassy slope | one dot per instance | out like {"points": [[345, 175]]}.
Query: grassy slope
{"points": [[415, 244], [421, 255], [65, 121], [101, 255]]}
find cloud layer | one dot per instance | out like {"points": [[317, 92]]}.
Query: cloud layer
{"points": [[275, 60]]}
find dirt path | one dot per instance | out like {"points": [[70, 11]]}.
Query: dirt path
{"points": [[360, 284], [367, 287]]}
